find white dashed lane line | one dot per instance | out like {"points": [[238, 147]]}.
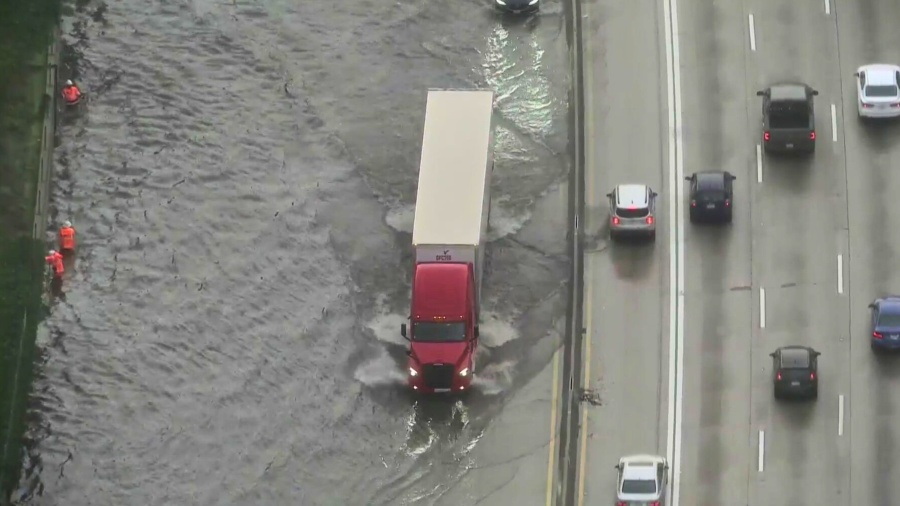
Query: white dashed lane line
{"points": [[762, 450], [840, 273], [827, 6], [833, 123], [840, 415], [762, 308], [758, 163], [752, 34]]}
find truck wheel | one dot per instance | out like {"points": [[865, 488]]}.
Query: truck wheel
{"points": [[653, 235]]}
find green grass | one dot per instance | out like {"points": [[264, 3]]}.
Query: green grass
{"points": [[25, 27]]}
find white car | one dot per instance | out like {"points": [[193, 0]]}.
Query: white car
{"points": [[878, 91], [642, 480]]}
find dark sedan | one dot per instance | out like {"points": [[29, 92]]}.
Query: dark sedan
{"points": [[796, 370], [712, 196], [518, 6], [885, 323]]}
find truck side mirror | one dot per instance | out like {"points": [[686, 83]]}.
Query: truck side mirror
{"points": [[871, 305], [609, 195], [403, 331], [476, 331], [687, 178], [815, 92], [856, 74], [772, 354], [760, 93], [732, 177], [616, 467], [817, 353], [653, 194]]}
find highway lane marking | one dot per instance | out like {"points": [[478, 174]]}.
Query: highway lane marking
{"points": [[833, 123], [582, 458], [553, 409], [752, 34], [840, 415], [758, 163], [762, 308], [827, 7], [762, 450], [840, 273], [676, 249], [588, 271]]}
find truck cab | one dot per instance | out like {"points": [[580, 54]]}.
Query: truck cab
{"points": [[443, 328], [789, 120]]}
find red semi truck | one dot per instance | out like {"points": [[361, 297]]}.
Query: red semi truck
{"points": [[452, 212]]}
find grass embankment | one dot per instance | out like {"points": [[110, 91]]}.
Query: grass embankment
{"points": [[25, 27]]}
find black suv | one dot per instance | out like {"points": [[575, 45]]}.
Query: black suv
{"points": [[796, 370], [712, 196], [789, 120]]}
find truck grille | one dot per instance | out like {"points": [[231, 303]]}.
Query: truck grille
{"points": [[438, 376]]}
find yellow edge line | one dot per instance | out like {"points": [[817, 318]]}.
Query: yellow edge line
{"points": [[582, 459], [553, 408]]}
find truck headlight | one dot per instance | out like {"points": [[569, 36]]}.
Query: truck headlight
{"points": [[413, 372], [501, 2], [464, 372], [532, 2]]}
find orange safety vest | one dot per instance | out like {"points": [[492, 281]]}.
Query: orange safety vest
{"points": [[67, 238], [56, 260], [71, 93]]}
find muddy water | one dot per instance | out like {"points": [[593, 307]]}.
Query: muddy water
{"points": [[243, 182]]}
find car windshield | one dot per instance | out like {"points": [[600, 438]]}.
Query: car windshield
{"points": [[639, 487], [435, 332], [888, 90], [632, 213], [889, 320]]}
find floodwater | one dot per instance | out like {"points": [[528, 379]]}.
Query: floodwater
{"points": [[242, 181]]}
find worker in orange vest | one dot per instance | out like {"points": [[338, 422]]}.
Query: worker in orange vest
{"points": [[67, 238], [56, 261], [71, 93]]}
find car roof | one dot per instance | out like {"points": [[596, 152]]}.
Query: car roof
{"points": [[795, 356], [880, 74], [713, 180], [631, 195], [641, 458], [640, 471], [890, 305], [787, 91]]}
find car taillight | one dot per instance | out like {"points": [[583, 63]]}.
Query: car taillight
{"points": [[654, 503], [649, 220], [812, 376], [895, 105], [876, 335], [867, 106], [727, 202], [693, 203], [615, 220], [766, 136], [620, 503], [778, 377], [812, 135]]}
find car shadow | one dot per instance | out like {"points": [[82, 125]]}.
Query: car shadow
{"points": [[888, 364], [633, 257]]}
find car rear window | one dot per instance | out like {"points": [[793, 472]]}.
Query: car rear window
{"points": [[794, 359], [639, 487], [881, 91], [889, 320], [632, 213], [711, 195]]}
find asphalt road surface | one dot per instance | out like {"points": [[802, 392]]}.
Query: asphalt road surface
{"points": [[812, 243]]}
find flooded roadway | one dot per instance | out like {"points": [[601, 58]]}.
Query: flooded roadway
{"points": [[243, 184]]}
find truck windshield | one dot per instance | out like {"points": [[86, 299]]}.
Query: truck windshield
{"points": [[434, 332], [789, 115]]}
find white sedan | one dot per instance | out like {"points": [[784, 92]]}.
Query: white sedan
{"points": [[878, 91]]}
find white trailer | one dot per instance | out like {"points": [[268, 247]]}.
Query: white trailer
{"points": [[453, 200]]}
